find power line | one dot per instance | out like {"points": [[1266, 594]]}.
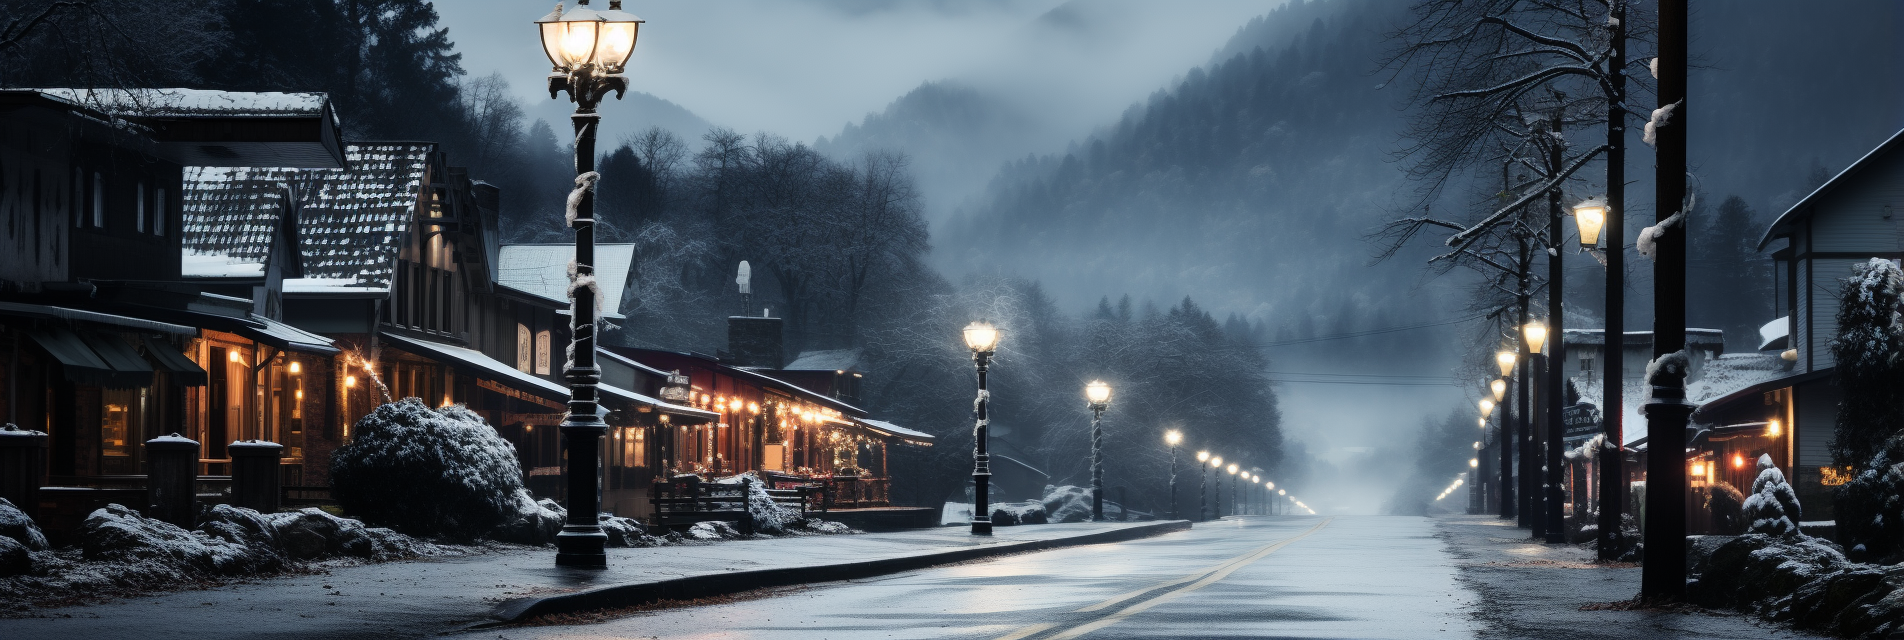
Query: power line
{"points": [[1373, 383]]}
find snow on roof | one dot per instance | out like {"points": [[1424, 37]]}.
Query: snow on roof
{"points": [[1732, 372], [194, 102], [888, 428], [1694, 337], [828, 360], [350, 225], [543, 270], [471, 357], [293, 336], [1773, 335]]}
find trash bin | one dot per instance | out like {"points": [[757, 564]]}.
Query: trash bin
{"points": [[22, 467], [254, 474], [171, 480]]}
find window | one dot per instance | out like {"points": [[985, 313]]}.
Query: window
{"points": [[542, 353], [158, 212], [138, 208], [99, 201], [525, 348], [1586, 365]]}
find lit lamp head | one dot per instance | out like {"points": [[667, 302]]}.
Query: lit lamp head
{"points": [[1499, 388], [1487, 407], [1173, 437], [584, 36], [981, 337], [1536, 334], [1773, 428], [1269, 485], [1098, 393], [1477, 446], [1483, 422], [1506, 361], [1590, 215], [1203, 456], [1216, 461], [1232, 469], [1279, 492], [1474, 462]]}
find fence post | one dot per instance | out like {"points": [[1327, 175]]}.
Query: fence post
{"points": [[747, 506], [254, 474], [22, 467], [171, 485]]}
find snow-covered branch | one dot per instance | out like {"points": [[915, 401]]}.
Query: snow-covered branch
{"points": [[1467, 236]]}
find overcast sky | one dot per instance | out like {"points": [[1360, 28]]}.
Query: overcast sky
{"points": [[804, 68]]}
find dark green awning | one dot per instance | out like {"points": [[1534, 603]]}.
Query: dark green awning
{"points": [[183, 371], [83, 362]]}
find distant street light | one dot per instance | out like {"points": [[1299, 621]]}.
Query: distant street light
{"points": [[1203, 485], [589, 50], [1499, 388], [1487, 407], [982, 339], [1173, 437], [1098, 396], [1233, 499], [1505, 360]]}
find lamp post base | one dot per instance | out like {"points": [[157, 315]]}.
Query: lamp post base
{"points": [[982, 527], [578, 547]]}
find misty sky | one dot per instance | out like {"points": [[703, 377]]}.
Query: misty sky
{"points": [[804, 68]]}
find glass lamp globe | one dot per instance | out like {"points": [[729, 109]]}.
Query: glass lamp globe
{"points": [[1590, 215], [1098, 393], [1506, 361], [981, 337]]}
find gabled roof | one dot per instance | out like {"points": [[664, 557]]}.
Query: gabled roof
{"points": [[543, 270], [201, 127], [1783, 225], [351, 221]]}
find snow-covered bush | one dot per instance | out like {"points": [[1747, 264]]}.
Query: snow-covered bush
{"points": [[1772, 509], [443, 472], [769, 517], [1727, 506], [1869, 369], [1870, 508], [1067, 504]]}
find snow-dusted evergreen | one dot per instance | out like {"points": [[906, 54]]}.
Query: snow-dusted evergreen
{"points": [[1772, 509], [428, 472], [1867, 350]]}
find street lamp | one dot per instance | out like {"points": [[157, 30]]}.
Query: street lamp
{"points": [[1098, 396], [1203, 485], [1505, 359], [1536, 334], [1487, 407], [1499, 388], [1589, 215], [589, 50], [1216, 493], [1232, 470], [982, 338], [1173, 437]]}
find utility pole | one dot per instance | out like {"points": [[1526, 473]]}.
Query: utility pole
{"points": [[1612, 474], [1663, 577]]}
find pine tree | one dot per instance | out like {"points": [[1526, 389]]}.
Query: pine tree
{"points": [[1867, 350], [1772, 508]]}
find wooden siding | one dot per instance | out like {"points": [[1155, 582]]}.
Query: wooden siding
{"points": [[1802, 297], [36, 205], [1817, 417], [1852, 217]]}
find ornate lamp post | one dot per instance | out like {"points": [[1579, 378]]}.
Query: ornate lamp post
{"points": [[1203, 486], [1535, 334], [589, 50], [1173, 437], [1269, 505], [982, 338], [1098, 395]]}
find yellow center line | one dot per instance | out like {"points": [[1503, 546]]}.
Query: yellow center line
{"points": [[1208, 575]]}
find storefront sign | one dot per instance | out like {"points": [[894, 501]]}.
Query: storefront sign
{"points": [[1582, 421], [498, 388]]}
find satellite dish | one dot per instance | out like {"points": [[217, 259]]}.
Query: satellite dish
{"points": [[745, 278]]}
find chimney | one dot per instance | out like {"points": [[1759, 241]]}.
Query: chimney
{"points": [[755, 342]]}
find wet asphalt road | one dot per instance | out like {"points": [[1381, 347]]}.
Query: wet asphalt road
{"points": [[1250, 577]]}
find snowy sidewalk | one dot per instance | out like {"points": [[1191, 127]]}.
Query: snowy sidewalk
{"points": [[433, 596], [1529, 589]]}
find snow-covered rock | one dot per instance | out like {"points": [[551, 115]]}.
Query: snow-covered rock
{"points": [[531, 521], [116, 533], [428, 472], [310, 534], [15, 558], [15, 524], [622, 532], [713, 530], [1772, 509], [1017, 513]]}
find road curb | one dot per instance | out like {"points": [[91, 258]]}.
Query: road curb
{"points": [[710, 585]]}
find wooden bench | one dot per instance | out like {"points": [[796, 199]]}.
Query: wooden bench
{"points": [[683, 501]]}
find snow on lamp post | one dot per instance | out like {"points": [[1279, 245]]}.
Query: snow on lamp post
{"points": [[1173, 438], [589, 49], [1203, 486], [982, 339], [1098, 397]]}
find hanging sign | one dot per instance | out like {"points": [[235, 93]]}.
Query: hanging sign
{"points": [[1582, 421]]}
